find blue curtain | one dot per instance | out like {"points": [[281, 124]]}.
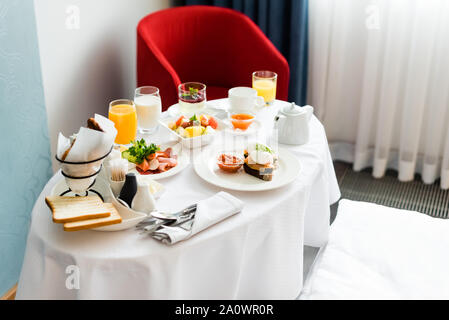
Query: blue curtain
{"points": [[25, 164], [285, 22]]}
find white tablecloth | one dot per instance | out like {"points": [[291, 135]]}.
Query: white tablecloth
{"points": [[256, 254]]}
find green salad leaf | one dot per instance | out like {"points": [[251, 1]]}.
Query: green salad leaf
{"points": [[139, 151], [263, 148]]}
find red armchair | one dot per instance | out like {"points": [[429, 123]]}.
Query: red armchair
{"points": [[216, 46]]}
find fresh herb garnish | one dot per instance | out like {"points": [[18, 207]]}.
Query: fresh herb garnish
{"points": [[193, 91], [139, 151], [193, 118], [261, 147]]}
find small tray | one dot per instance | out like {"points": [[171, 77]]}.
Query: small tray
{"points": [[130, 218]]}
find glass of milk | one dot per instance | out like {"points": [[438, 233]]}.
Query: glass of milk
{"points": [[149, 107]]}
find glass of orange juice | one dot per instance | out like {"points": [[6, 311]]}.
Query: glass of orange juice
{"points": [[123, 113], [265, 84]]}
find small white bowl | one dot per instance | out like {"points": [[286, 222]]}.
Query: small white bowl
{"points": [[195, 142]]}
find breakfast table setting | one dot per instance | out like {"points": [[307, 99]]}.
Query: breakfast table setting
{"points": [[210, 200]]}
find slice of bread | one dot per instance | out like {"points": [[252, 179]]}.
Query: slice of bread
{"points": [[114, 218], [70, 209]]}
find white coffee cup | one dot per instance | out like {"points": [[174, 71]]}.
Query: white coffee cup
{"points": [[244, 99]]}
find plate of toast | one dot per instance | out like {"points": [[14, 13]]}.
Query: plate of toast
{"points": [[90, 212], [257, 167]]}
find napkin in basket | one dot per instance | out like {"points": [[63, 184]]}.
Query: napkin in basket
{"points": [[89, 145], [209, 212]]}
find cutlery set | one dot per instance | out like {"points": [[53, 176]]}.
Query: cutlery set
{"points": [[157, 219]]}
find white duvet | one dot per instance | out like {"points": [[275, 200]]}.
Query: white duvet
{"points": [[377, 252]]}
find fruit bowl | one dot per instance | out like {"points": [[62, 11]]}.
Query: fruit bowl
{"points": [[194, 142]]}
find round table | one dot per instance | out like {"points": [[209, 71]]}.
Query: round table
{"points": [[256, 254]]}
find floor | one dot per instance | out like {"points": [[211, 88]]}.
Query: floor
{"points": [[310, 253], [389, 191]]}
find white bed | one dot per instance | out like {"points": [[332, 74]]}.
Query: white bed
{"points": [[377, 252]]}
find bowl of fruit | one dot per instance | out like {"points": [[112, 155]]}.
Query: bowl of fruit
{"points": [[194, 131]]}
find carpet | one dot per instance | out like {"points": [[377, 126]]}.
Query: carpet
{"points": [[414, 195]]}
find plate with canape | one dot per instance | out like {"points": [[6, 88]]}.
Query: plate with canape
{"points": [[155, 161], [194, 131], [256, 167]]}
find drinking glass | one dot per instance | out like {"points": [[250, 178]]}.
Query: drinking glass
{"points": [[123, 113], [192, 97], [265, 83], [148, 107]]}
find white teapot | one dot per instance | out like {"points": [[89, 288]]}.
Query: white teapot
{"points": [[293, 124]]}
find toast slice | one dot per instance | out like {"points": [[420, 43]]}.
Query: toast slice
{"points": [[114, 218], [70, 209]]}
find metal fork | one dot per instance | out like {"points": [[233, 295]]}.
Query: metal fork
{"points": [[187, 225], [178, 223], [169, 216], [154, 222]]}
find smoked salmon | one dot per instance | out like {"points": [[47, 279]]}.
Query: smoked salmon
{"points": [[158, 162]]}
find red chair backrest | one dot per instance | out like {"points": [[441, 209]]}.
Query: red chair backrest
{"points": [[210, 44]]}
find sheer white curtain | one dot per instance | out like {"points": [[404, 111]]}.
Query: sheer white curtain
{"points": [[379, 81]]}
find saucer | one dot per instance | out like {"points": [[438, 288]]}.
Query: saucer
{"points": [[212, 108]]}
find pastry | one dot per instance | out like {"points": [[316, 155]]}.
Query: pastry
{"points": [[93, 124], [260, 161]]}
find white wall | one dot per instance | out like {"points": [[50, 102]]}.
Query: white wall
{"points": [[84, 68]]}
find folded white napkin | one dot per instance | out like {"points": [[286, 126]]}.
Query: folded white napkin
{"points": [[89, 145], [209, 212]]}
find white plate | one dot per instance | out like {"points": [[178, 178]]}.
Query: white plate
{"points": [[206, 167], [196, 141], [130, 218], [183, 162]]}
